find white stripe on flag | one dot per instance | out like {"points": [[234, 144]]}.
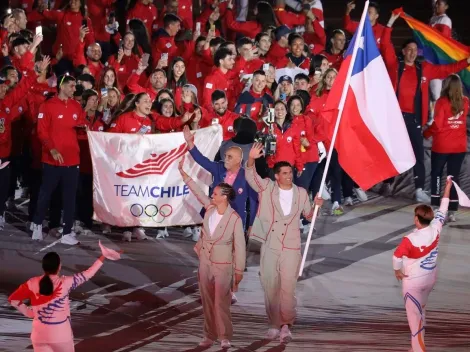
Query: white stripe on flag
{"points": [[463, 198]]}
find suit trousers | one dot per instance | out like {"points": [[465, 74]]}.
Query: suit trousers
{"points": [[279, 271], [416, 296], [215, 284]]}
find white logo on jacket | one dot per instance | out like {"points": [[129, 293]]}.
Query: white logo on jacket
{"points": [[75, 116], [60, 116]]}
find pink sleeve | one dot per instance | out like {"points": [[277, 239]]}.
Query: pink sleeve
{"points": [[80, 278]]}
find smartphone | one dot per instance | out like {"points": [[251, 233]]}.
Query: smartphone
{"points": [[266, 68], [111, 17], [120, 43], [39, 30], [271, 115], [164, 56], [84, 23], [306, 7], [104, 92], [215, 121], [106, 115], [198, 26], [145, 59], [213, 27]]}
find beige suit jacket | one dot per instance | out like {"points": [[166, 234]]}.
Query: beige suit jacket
{"points": [[227, 243], [271, 226]]}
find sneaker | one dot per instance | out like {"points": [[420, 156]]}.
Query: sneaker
{"points": [[337, 209], [207, 342], [127, 236], [196, 233], [69, 239], [37, 233], [234, 299], [56, 232], [272, 334], [139, 233], [286, 335], [87, 232], [2, 222], [422, 196], [360, 194], [325, 194], [77, 226], [160, 234], [348, 201], [188, 232], [11, 205], [451, 217], [225, 344], [105, 229], [166, 232], [385, 190]]}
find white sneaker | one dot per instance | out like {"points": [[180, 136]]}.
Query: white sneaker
{"points": [[196, 233], [272, 334], [360, 194], [207, 342], [127, 236], [56, 232], [166, 232], [160, 234], [105, 229], [234, 299], [451, 217], [348, 201], [77, 226], [37, 232], [422, 196], [2, 222], [188, 232], [325, 195], [286, 335], [225, 344], [139, 233], [337, 209], [69, 239]]}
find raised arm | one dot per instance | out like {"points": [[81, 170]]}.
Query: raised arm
{"points": [[440, 215], [254, 180], [197, 191], [80, 278], [210, 166]]}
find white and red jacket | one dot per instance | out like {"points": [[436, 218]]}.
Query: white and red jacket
{"points": [[416, 255], [130, 122], [51, 314], [441, 23]]}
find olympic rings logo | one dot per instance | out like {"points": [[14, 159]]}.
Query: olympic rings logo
{"points": [[151, 212]]}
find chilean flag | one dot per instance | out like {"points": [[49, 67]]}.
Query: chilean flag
{"points": [[372, 140]]}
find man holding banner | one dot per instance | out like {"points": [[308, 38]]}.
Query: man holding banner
{"points": [[276, 227]]}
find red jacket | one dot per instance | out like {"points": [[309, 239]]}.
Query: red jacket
{"points": [[9, 111], [98, 11], [249, 28], [449, 130], [130, 122], [164, 43], [217, 80], [146, 13], [24, 63], [315, 133], [125, 68], [316, 40], [57, 129], [185, 12], [243, 67], [226, 121], [96, 124], [317, 103], [68, 30], [276, 53], [429, 71], [351, 26], [135, 88], [197, 69], [287, 145], [335, 60], [165, 124], [96, 68]]}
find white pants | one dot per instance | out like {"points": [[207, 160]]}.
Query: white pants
{"points": [[416, 296], [54, 347]]}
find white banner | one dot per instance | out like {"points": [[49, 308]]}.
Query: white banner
{"points": [[136, 181]]}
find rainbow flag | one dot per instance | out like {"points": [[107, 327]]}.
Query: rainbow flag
{"points": [[438, 49]]}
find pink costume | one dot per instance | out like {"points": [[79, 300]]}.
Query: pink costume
{"points": [[52, 331], [416, 256]]}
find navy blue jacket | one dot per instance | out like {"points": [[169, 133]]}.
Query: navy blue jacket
{"points": [[241, 187]]}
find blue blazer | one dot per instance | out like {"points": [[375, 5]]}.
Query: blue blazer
{"points": [[242, 189]]}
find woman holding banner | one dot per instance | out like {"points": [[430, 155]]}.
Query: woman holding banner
{"points": [[221, 250]]}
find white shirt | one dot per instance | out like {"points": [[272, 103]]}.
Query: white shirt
{"points": [[285, 198], [214, 221]]}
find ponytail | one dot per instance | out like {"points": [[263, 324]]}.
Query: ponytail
{"points": [[50, 265], [46, 287]]}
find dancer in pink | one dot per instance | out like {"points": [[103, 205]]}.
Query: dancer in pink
{"points": [[415, 262], [50, 307]]}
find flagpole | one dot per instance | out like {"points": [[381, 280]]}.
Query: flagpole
{"points": [[335, 132]]}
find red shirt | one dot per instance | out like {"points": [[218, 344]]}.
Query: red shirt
{"points": [[351, 26], [57, 129], [130, 122], [98, 11], [287, 145], [125, 68], [407, 89], [145, 13], [449, 130]]}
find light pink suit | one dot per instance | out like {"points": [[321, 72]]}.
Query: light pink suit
{"points": [[52, 331]]}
